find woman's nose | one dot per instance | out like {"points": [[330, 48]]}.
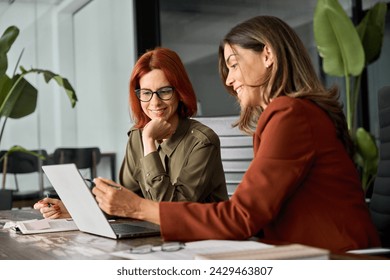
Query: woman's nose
{"points": [[155, 99], [229, 80]]}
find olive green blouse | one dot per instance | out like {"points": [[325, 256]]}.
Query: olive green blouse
{"points": [[185, 167]]}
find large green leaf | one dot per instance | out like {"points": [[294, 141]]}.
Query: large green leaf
{"points": [[20, 99], [366, 144], [18, 148], [7, 39], [27, 101], [63, 82], [366, 156], [337, 40], [371, 31]]}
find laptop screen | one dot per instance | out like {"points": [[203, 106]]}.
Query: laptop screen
{"points": [[82, 206]]}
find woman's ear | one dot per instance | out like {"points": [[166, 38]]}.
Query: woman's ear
{"points": [[268, 56]]}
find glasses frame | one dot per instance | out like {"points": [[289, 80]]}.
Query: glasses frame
{"points": [[165, 247], [157, 92]]}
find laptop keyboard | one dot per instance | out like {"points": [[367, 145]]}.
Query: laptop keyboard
{"points": [[127, 228]]}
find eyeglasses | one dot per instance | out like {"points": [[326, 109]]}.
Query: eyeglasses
{"points": [[165, 247], [146, 95]]}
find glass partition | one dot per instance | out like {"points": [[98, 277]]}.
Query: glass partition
{"points": [[91, 43]]}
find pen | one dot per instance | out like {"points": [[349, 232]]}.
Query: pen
{"points": [[91, 181], [111, 185], [49, 204]]}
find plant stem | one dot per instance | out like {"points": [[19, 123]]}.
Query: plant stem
{"points": [[365, 176], [17, 63], [348, 99], [2, 128], [355, 100], [5, 163]]}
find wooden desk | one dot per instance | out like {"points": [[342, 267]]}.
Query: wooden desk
{"points": [[77, 245], [74, 245]]}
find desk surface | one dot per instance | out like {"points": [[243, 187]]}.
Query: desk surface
{"points": [[59, 245], [75, 245]]}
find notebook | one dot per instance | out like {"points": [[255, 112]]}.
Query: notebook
{"points": [[82, 206]]}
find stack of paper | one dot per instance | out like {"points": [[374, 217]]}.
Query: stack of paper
{"points": [[285, 252]]}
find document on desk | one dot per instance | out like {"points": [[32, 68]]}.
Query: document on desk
{"points": [[282, 252], [192, 249], [41, 226]]}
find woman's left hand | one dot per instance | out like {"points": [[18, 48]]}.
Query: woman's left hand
{"points": [[52, 208]]}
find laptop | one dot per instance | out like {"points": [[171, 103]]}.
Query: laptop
{"points": [[85, 211]]}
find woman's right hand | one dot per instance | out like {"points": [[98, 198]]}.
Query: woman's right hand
{"points": [[119, 201], [52, 208]]}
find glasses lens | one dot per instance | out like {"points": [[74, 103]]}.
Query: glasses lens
{"points": [[165, 93], [144, 94], [172, 246], [144, 249]]}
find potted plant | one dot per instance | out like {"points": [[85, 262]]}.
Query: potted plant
{"points": [[346, 50], [18, 98]]}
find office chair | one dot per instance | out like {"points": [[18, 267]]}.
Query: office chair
{"points": [[5, 199], [84, 158], [236, 148], [380, 200], [20, 164]]}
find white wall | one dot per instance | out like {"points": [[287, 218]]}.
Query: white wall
{"points": [[104, 56], [92, 44]]}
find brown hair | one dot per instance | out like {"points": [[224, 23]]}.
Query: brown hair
{"points": [[292, 73], [170, 63]]}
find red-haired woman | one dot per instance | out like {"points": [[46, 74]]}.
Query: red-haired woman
{"points": [[169, 156]]}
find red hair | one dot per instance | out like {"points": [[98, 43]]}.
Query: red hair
{"points": [[170, 63]]}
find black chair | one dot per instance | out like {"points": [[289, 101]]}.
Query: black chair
{"points": [[380, 200], [84, 158], [5, 199], [236, 148], [20, 164]]}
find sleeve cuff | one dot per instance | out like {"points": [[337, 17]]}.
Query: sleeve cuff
{"points": [[152, 166]]}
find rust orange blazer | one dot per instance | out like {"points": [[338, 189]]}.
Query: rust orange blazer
{"points": [[301, 187]]}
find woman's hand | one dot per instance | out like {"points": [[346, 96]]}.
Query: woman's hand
{"points": [[157, 129], [52, 208], [119, 201]]}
